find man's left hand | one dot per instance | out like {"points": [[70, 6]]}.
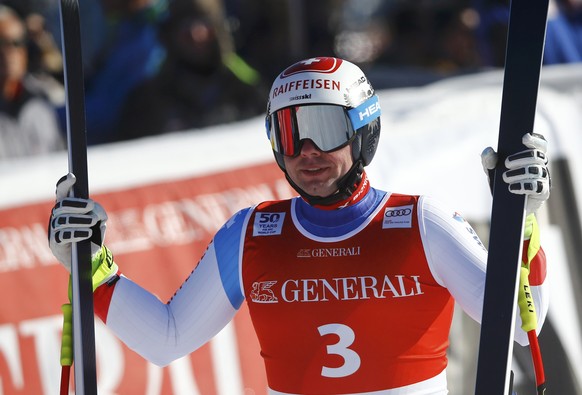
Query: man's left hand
{"points": [[527, 172]]}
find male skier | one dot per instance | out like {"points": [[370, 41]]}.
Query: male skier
{"points": [[350, 289]]}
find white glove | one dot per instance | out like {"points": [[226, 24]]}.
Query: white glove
{"points": [[527, 172], [73, 220]]}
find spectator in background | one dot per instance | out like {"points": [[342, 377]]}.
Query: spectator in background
{"points": [[272, 34], [564, 32], [455, 40], [130, 54], [45, 53], [563, 42], [28, 123], [202, 81], [45, 61]]}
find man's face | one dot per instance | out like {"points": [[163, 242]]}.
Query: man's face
{"points": [[13, 55], [193, 40], [317, 172]]}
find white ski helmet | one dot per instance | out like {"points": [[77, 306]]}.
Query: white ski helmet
{"points": [[329, 101]]}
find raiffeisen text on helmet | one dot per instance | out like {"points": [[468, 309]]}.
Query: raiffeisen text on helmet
{"points": [[318, 83], [320, 80]]}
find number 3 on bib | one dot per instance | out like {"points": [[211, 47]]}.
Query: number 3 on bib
{"points": [[351, 358]]}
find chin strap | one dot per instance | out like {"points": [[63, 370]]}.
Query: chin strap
{"points": [[347, 185]]}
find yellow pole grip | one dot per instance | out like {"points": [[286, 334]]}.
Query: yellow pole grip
{"points": [[67, 336]]}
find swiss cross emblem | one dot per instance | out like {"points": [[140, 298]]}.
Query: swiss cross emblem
{"points": [[321, 65], [308, 62]]}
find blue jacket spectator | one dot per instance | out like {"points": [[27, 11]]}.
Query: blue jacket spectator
{"points": [[202, 81], [564, 33], [131, 54]]}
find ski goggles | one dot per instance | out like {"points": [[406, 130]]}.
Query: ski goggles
{"points": [[330, 127]]}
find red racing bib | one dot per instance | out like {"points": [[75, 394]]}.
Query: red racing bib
{"points": [[356, 313]]}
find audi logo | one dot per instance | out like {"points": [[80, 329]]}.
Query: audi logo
{"points": [[397, 212]]}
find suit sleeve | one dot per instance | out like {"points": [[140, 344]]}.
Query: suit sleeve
{"points": [[204, 304], [457, 259]]}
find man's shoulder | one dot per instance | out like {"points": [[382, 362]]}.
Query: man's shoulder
{"points": [[396, 197], [264, 206], [269, 205]]}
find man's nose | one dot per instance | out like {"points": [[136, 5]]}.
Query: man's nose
{"points": [[308, 147]]}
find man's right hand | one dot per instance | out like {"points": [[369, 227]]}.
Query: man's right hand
{"points": [[73, 220]]}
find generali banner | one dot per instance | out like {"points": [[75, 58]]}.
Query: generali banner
{"points": [[157, 233]]}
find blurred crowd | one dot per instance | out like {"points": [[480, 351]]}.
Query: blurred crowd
{"points": [[161, 66]]}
